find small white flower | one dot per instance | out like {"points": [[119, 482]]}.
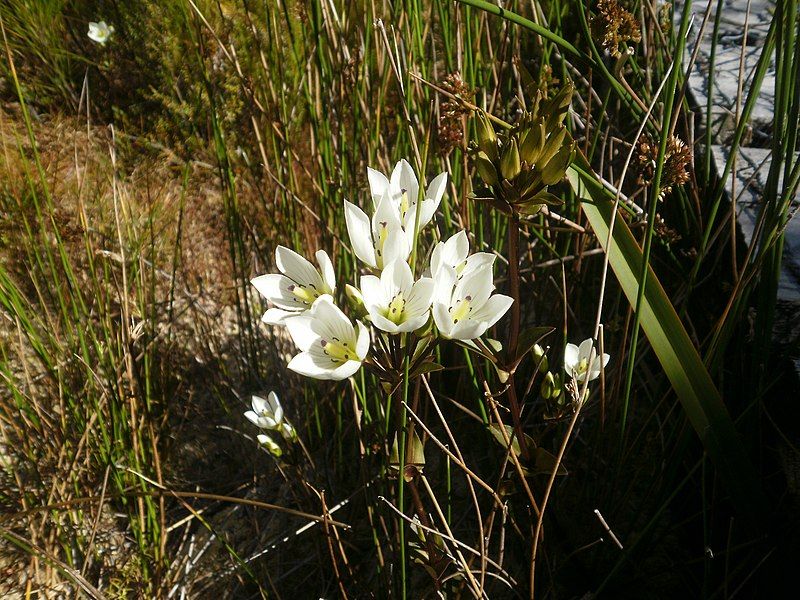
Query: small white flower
{"points": [[582, 362], [100, 32], [270, 444], [268, 414], [395, 302], [454, 253], [465, 308], [330, 347], [380, 240], [403, 192], [299, 285]]}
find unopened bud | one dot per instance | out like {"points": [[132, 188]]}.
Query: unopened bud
{"points": [[487, 138], [541, 358], [355, 300], [510, 163], [486, 168]]}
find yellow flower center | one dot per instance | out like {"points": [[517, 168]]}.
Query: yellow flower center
{"points": [[306, 294], [337, 350], [404, 204], [582, 367], [396, 310], [461, 309]]}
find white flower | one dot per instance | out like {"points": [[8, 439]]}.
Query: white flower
{"points": [[270, 444], [395, 302], [330, 347], [380, 240], [582, 362], [100, 32], [299, 285], [465, 308], [268, 414], [454, 254], [403, 192]]}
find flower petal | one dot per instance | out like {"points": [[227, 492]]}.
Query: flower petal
{"points": [[570, 358], [363, 341], [403, 178], [360, 232], [492, 311], [442, 318], [326, 269], [300, 329], [277, 316], [275, 288], [297, 268], [378, 185], [396, 247], [328, 320], [372, 291], [419, 298]]}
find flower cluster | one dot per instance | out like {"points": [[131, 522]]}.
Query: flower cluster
{"points": [[268, 415], [455, 293]]}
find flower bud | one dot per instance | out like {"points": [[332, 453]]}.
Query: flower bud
{"points": [[540, 357], [510, 163], [551, 147], [554, 171], [486, 168], [270, 445], [356, 301], [487, 138], [547, 386], [532, 142]]}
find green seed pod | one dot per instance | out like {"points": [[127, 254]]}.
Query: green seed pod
{"points": [[485, 168], [487, 138], [558, 106], [551, 147], [554, 170], [510, 164], [541, 358], [532, 142]]}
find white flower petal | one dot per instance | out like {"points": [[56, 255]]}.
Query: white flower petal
{"points": [[378, 185], [363, 341], [413, 323], [372, 291], [259, 404], [396, 247], [419, 298], [492, 311], [383, 323], [360, 232], [442, 318], [570, 358], [329, 322], [326, 269], [297, 268], [300, 329], [275, 288], [403, 178], [277, 316]]}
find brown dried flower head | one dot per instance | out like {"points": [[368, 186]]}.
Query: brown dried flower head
{"points": [[677, 159], [614, 25], [451, 117]]}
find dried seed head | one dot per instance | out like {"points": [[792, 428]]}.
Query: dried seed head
{"points": [[614, 25], [677, 159], [452, 112]]}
